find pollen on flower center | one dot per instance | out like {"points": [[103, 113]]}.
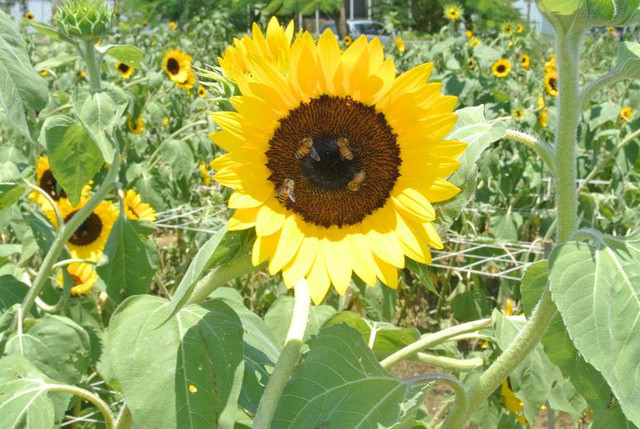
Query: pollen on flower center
{"points": [[49, 184], [173, 66], [351, 168], [88, 232]]}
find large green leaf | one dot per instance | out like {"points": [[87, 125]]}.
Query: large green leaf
{"points": [[386, 337], [73, 155], [341, 384], [628, 60], [179, 156], [99, 113], [11, 188], [185, 373], [596, 288], [128, 54], [278, 318], [20, 86], [12, 291], [56, 345], [129, 269], [478, 133]]}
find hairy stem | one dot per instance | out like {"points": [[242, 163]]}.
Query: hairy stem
{"points": [[544, 150], [93, 65], [288, 358], [450, 363]]}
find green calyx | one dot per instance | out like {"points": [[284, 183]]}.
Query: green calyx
{"points": [[87, 19]]}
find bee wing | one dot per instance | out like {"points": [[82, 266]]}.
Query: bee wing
{"points": [[314, 153], [292, 196]]}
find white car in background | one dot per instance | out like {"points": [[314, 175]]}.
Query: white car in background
{"points": [[358, 27]]}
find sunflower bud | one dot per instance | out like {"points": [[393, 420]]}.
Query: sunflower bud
{"points": [[87, 19]]}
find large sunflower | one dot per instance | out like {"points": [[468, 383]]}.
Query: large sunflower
{"points": [[88, 241], [83, 275], [336, 162], [135, 209], [47, 182], [177, 65]]}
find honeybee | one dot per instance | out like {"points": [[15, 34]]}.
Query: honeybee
{"points": [[345, 150], [285, 191], [357, 181], [306, 148]]}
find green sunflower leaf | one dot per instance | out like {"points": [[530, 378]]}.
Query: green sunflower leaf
{"points": [[184, 373], [278, 318], [12, 291], [474, 129], [57, 345], [628, 60], [596, 288], [586, 380], [73, 155], [128, 54], [580, 15], [179, 156], [11, 188], [21, 88], [129, 269], [341, 384]]}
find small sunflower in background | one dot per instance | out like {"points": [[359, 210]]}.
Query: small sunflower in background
{"points": [[88, 241], [125, 70], [501, 68], [83, 276], [518, 114], [452, 12], [331, 173], [474, 41], [550, 66], [611, 30], [136, 127], [512, 403], [29, 16], [551, 83], [471, 62], [177, 65], [543, 117], [347, 40], [82, 74], [507, 29], [519, 28], [525, 61], [166, 122], [135, 209], [202, 92], [468, 34], [625, 115], [204, 171], [400, 45], [172, 25], [43, 73]]}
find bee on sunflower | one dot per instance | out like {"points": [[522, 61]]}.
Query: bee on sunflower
{"points": [[83, 277], [124, 69], [525, 61], [625, 115], [137, 126], [177, 65], [501, 68], [452, 12], [135, 209], [339, 171]]}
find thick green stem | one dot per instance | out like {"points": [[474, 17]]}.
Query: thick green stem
{"points": [[444, 362], [544, 150], [288, 358], [65, 234], [92, 64]]}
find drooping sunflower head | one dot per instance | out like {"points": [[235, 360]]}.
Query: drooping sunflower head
{"points": [[137, 126], [30, 16], [518, 114], [551, 83], [125, 70], [501, 68], [336, 161], [512, 403], [172, 25], [83, 276], [202, 92], [625, 115], [519, 28], [452, 12], [135, 209], [400, 45], [525, 61], [507, 29], [177, 65], [88, 241]]}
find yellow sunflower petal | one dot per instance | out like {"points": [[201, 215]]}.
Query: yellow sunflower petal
{"points": [[290, 240], [318, 279]]}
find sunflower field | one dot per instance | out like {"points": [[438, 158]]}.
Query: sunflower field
{"points": [[220, 215]]}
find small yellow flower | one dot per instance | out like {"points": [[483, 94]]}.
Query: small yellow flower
{"points": [[400, 45], [550, 66], [452, 12], [135, 209], [469, 34], [551, 83], [543, 118], [525, 61], [474, 41], [138, 127], [541, 103], [625, 115], [82, 74], [192, 388], [471, 62], [82, 275], [202, 92], [501, 68], [611, 30], [347, 40], [172, 26], [507, 29], [518, 115], [519, 28], [206, 177], [29, 16], [44, 72], [510, 44], [512, 403], [125, 70], [166, 122]]}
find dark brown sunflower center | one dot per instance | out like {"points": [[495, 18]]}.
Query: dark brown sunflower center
{"points": [[123, 68], [173, 66], [88, 232], [501, 68], [553, 83], [333, 161], [50, 185]]}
